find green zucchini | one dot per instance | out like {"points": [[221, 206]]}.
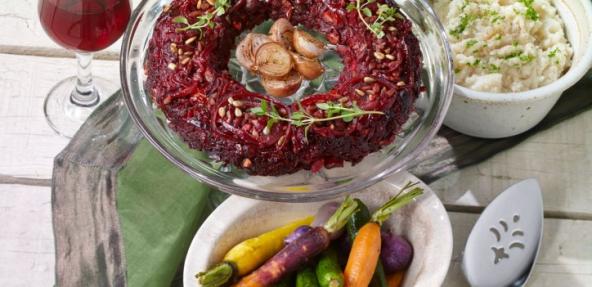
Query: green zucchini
{"points": [[306, 278], [328, 270]]}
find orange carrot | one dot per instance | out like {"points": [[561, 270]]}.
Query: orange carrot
{"points": [[363, 256], [395, 279], [365, 251]]}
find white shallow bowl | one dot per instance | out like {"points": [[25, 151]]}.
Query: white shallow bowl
{"points": [[498, 115], [424, 223]]}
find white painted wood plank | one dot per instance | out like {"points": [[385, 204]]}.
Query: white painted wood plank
{"points": [[560, 158], [26, 240], [27, 259], [21, 27], [565, 258], [27, 143]]}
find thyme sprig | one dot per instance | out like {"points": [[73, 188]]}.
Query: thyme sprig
{"points": [[204, 20], [301, 118], [384, 13]]}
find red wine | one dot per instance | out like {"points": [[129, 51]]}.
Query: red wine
{"points": [[84, 25]]}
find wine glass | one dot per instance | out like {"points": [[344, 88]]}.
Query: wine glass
{"points": [[84, 26]]}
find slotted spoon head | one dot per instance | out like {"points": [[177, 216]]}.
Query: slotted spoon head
{"points": [[505, 241]]}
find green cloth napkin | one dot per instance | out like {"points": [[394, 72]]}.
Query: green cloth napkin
{"points": [[160, 209]]}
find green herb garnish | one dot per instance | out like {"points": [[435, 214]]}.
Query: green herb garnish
{"points": [[301, 118], [530, 12], [513, 55], [553, 53], [462, 25], [475, 63], [494, 68], [464, 5], [471, 43], [497, 18], [384, 13], [526, 58], [204, 20]]}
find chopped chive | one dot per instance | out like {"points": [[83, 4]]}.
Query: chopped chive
{"points": [[462, 25], [471, 43]]}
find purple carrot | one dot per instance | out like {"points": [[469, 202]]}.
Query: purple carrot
{"points": [[300, 251]]}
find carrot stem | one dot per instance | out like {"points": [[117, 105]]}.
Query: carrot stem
{"points": [[398, 201], [339, 219]]}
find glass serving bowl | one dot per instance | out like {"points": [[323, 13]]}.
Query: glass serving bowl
{"points": [[302, 186]]}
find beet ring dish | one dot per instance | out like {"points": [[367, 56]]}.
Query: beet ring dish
{"points": [[241, 106]]}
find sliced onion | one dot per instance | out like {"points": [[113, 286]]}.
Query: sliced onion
{"points": [[309, 68], [258, 40], [307, 45], [244, 53], [282, 32], [282, 87], [272, 60]]}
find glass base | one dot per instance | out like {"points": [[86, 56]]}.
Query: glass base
{"points": [[66, 117]]}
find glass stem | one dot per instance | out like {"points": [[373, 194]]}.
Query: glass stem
{"points": [[84, 94]]}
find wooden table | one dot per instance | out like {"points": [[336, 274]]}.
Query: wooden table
{"points": [[30, 64]]}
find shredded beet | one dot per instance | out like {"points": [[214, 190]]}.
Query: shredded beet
{"points": [[210, 110]]}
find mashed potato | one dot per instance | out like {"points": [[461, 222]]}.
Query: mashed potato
{"points": [[505, 45]]}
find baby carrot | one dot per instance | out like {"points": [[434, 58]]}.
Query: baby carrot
{"points": [[365, 250], [395, 279], [363, 256], [301, 250], [249, 254], [355, 223]]}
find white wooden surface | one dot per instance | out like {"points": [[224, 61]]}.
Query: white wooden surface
{"points": [[21, 31], [26, 236], [561, 158], [565, 258], [27, 143]]}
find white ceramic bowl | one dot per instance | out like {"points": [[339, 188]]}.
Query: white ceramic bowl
{"points": [[497, 115], [424, 223]]}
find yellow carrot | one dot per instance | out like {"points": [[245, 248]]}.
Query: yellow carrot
{"points": [[249, 254], [365, 251], [301, 250]]}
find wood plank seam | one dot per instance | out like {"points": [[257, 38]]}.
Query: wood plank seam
{"points": [[549, 214], [8, 179], [53, 52]]}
